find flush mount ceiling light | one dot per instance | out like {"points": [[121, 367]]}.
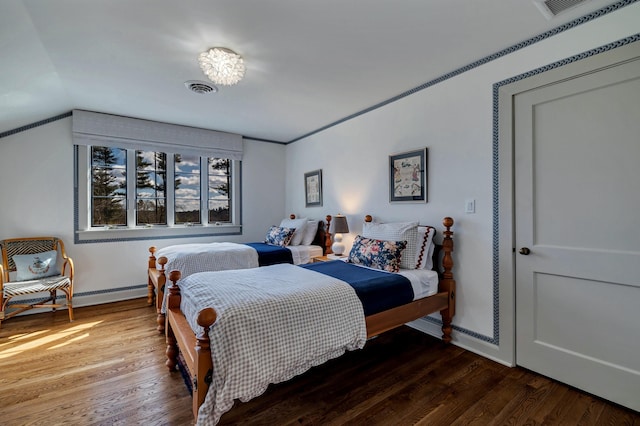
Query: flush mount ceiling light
{"points": [[223, 66]]}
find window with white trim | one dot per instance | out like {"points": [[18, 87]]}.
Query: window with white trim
{"points": [[124, 192]]}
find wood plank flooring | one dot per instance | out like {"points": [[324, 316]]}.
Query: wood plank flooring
{"points": [[107, 368]]}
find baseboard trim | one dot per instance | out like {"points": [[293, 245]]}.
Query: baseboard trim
{"points": [[463, 340], [95, 298]]}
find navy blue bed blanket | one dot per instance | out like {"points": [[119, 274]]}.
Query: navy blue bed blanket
{"points": [[271, 255], [377, 290]]}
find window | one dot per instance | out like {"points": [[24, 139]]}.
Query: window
{"points": [[219, 174], [138, 179], [187, 186], [108, 186], [126, 195], [151, 193]]}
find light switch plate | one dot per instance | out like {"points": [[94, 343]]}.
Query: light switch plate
{"points": [[470, 205]]}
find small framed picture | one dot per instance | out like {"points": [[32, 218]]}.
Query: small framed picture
{"points": [[313, 188], [408, 176]]}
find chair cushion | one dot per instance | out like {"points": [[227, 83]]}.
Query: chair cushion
{"points": [[36, 266], [20, 288]]}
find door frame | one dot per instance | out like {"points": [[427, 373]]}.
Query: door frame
{"points": [[504, 171]]}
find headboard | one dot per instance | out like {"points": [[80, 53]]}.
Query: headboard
{"points": [[323, 237], [441, 256]]}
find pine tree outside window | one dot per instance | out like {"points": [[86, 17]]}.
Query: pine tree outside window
{"points": [[108, 186], [128, 196]]}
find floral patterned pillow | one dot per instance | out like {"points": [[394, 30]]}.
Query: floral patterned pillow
{"points": [[378, 254], [279, 236]]}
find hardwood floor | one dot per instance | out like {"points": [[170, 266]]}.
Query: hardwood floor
{"points": [[107, 368]]}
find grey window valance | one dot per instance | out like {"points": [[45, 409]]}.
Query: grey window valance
{"points": [[92, 128]]}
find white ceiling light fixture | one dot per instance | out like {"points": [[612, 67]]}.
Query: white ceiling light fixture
{"points": [[223, 66]]}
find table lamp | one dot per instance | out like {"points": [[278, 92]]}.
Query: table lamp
{"points": [[338, 227]]}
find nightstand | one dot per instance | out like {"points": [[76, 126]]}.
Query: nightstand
{"points": [[327, 258]]}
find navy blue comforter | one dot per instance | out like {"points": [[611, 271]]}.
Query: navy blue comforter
{"points": [[271, 255], [377, 290]]}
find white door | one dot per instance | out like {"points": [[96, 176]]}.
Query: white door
{"points": [[577, 212]]}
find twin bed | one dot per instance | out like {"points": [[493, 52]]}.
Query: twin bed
{"points": [[313, 241], [265, 325]]}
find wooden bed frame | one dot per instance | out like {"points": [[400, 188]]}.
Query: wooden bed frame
{"points": [[196, 350], [157, 278]]}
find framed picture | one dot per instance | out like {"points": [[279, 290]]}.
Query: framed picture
{"points": [[408, 176], [313, 188]]}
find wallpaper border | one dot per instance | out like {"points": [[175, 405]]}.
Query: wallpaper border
{"points": [[34, 125], [496, 163]]}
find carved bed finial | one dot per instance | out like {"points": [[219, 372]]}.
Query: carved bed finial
{"points": [[174, 276]]}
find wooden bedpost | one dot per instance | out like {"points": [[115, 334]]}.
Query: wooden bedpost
{"points": [[368, 218], [203, 367], [162, 280], [173, 301], [150, 288], [447, 283], [327, 236], [196, 349]]}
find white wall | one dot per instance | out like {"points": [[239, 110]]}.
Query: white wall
{"points": [[37, 196], [454, 119]]}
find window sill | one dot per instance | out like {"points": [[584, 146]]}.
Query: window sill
{"points": [[99, 235]]}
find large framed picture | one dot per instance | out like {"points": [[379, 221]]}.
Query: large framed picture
{"points": [[313, 188], [408, 176]]}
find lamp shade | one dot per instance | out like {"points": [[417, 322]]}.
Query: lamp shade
{"points": [[339, 225]]}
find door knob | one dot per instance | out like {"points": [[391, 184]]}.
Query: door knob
{"points": [[525, 251]]}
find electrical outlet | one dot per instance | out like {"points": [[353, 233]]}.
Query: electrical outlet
{"points": [[470, 205]]}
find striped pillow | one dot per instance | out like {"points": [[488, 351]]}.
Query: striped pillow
{"points": [[424, 253]]}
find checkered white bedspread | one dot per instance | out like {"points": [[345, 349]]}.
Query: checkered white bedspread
{"points": [[274, 323], [192, 258]]}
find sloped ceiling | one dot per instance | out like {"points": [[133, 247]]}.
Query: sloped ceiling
{"points": [[309, 63]]}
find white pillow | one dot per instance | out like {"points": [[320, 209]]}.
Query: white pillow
{"points": [[399, 231], [310, 231], [424, 252], [298, 225], [36, 266]]}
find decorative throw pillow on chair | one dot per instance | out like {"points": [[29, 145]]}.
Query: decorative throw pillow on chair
{"points": [[36, 266]]}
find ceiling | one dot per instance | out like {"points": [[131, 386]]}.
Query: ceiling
{"points": [[309, 63]]}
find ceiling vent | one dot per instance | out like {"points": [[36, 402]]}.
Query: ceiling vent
{"points": [[551, 8], [200, 87]]}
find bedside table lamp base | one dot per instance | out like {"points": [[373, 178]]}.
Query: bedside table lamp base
{"points": [[337, 247]]}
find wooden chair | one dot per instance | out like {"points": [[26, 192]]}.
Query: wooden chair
{"points": [[28, 267]]}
